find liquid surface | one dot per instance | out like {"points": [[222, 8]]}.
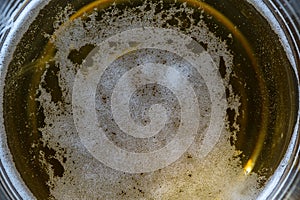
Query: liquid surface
{"points": [[146, 100], [184, 176]]}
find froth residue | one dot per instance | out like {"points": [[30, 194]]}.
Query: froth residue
{"points": [[218, 176]]}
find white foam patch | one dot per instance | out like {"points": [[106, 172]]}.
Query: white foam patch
{"points": [[218, 176]]}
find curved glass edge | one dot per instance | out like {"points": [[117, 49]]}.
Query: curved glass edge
{"points": [[9, 11], [16, 20], [288, 14], [7, 191], [285, 183]]}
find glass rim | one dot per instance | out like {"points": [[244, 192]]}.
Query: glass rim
{"points": [[285, 180]]}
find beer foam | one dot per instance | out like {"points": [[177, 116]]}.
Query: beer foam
{"points": [[218, 176]]}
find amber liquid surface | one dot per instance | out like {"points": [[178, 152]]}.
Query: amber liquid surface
{"points": [[41, 133]]}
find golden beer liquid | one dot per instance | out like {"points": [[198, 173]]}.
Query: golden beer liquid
{"points": [[262, 78]]}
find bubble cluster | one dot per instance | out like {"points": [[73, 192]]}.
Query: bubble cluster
{"points": [[142, 111]]}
